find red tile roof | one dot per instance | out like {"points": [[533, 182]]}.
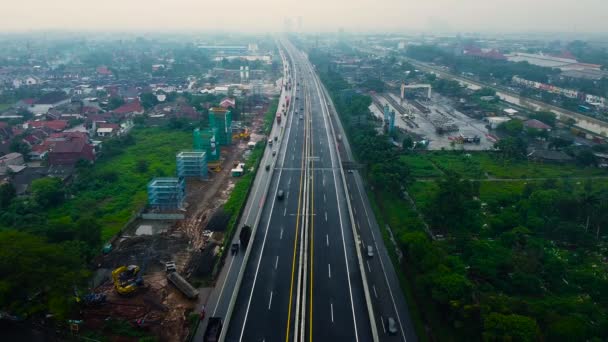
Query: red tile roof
{"points": [[68, 135], [108, 125], [56, 125], [533, 123], [69, 146], [131, 107]]}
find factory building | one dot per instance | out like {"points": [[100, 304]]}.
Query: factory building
{"points": [[192, 164], [166, 193]]}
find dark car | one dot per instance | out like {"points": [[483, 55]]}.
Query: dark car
{"points": [[280, 195], [267, 167]]}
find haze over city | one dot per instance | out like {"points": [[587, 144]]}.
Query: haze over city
{"points": [[304, 170], [317, 15]]}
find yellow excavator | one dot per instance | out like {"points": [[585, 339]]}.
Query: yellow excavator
{"points": [[243, 135], [127, 279], [214, 166]]}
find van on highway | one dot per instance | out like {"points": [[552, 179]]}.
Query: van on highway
{"points": [[270, 142], [370, 251]]}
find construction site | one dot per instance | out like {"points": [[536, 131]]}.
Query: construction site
{"points": [[157, 272], [431, 118]]}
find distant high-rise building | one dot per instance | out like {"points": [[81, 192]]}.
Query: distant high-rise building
{"points": [[287, 25]]}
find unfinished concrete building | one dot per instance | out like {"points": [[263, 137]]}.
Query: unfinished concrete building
{"points": [[166, 193], [205, 141], [192, 164], [220, 120]]}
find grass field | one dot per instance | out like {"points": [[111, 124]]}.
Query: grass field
{"points": [[114, 203], [482, 165], [4, 106]]}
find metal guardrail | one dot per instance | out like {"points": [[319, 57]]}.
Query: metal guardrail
{"points": [[366, 291]]}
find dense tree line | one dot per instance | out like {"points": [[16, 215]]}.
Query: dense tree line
{"points": [[519, 268], [485, 68]]}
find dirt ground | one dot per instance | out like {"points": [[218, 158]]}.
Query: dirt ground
{"points": [[159, 307]]}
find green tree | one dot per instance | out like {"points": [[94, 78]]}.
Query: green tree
{"points": [[408, 142], [37, 276], [7, 193], [586, 158], [48, 191], [115, 102], [19, 146], [548, 118], [499, 327], [512, 148], [148, 100], [512, 127], [447, 287], [142, 166], [453, 206]]}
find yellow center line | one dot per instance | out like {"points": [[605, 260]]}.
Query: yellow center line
{"points": [[295, 243], [312, 226]]}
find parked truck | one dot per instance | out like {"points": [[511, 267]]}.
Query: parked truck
{"points": [[214, 329]]}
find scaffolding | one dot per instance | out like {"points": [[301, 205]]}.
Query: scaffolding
{"points": [[166, 193], [192, 164], [220, 120], [205, 141]]}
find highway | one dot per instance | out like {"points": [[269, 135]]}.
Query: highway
{"points": [[218, 303], [387, 298], [305, 275], [302, 279]]}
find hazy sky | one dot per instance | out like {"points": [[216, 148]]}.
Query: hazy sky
{"points": [[317, 15]]}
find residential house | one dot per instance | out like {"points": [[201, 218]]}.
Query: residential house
{"points": [[12, 162], [39, 152], [129, 109], [70, 150], [107, 129], [54, 125], [228, 102]]}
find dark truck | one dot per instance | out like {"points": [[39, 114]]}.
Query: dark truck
{"points": [[214, 329]]}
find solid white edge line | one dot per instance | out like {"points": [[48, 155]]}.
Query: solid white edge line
{"points": [[388, 285], [333, 163], [223, 335], [364, 278]]}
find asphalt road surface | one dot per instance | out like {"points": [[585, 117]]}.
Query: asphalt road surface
{"points": [[302, 280]]}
